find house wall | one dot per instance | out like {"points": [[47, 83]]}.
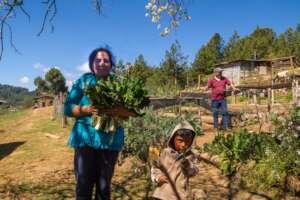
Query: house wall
{"points": [[44, 101], [233, 73], [247, 72]]}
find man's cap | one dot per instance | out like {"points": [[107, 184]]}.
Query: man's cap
{"points": [[218, 69]]}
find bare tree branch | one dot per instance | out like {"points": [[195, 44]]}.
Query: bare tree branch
{"points": [[98, 5], [11, 39], [10, 10], [51, 7], [25, 12]]}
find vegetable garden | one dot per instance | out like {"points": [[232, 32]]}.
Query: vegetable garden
{"points": [[263, 161]]}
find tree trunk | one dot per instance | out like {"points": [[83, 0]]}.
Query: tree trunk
{"points": [[55, 105]]}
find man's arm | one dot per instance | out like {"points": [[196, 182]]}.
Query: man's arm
{"points": [[208, 86], [233, 86]]}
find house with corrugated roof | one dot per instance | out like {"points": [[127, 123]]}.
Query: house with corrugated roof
{"points": [[261, 72]]}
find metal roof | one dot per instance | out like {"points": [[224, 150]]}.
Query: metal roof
{"points": [[253, 60], [2, 101]]}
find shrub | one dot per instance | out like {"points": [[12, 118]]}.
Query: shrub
{"points": [[141, 132]]}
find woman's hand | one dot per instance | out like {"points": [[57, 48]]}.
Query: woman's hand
{"points": [[81, 111], [87, 110]]}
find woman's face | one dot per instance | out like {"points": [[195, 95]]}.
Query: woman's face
{"points": [[102, 64]]}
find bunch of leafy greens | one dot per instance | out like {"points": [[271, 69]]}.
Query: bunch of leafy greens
{"points": [[111, 92], [127, 92]]}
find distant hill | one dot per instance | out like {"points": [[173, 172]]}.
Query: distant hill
{"points": [[16, 96]]}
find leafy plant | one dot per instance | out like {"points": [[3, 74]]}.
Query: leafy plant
{"points": [[277, 155], [151, 129], [281, 159], [237, 148]]}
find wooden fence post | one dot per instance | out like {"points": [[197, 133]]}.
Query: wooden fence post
{"points": [[295, 91], [254, 97], [63, 117], [233, 97], [272, 96]]}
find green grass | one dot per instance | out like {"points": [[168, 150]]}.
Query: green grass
{"points": [[40, 191], [9, 118]]}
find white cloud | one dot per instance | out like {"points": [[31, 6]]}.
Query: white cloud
{"points": [[38, 66], [69, 75], [84, 68], [69, 83], [56, 67], [24, 80], [46, 69]]}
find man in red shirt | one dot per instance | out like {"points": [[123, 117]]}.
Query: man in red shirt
{"points": [[218, 101]]}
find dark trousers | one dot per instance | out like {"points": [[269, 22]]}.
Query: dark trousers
{"points": [[222, 105], [94, 168]]}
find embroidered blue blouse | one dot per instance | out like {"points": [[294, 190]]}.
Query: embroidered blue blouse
{"points": [[83, 132]]}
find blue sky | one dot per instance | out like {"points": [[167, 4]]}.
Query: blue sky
{"points": [[123, 26]]}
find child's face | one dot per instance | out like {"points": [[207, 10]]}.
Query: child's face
{"points": [[181, 143]]}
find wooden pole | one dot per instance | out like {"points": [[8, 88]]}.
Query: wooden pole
{"points": [[254, 97], [187, 81], [295, 91], [54, 109], [199, 80], [64, 118], [272, 96], [248, 97], [233, 97], [269, 96]]}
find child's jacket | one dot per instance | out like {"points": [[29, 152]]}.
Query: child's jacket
{"points": [[170, 165]]}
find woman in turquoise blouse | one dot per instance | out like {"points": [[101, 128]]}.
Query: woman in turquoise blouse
{"points": [[95, 155]]}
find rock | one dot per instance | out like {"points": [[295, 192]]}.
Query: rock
{"points": [[215, 159], [293, 183], [52, 136], [224, 183], [205, 156]]}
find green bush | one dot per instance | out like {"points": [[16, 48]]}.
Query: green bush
{"points": [[237, 148], [242, 98], [276, 155], [280, 159], [141, 132]]}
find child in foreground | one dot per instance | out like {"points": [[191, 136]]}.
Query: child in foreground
{"points": [[171, 171]]}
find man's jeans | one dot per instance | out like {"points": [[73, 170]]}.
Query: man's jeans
{"points": [[94, 168], [222, 105]]}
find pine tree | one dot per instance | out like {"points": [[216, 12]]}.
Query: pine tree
{"points": [[230, 51], [139, 68], [208, 56], [174, 64]]}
